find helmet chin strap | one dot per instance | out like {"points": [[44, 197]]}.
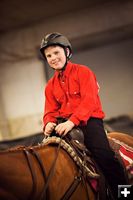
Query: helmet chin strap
{"points": [[66, 54], [64, 67]]}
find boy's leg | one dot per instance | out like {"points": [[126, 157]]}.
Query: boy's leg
{"points": [[96, 141]]}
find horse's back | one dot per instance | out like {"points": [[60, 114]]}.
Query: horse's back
{"points": [[122, 137]]}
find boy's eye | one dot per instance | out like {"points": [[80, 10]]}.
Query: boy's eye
{"points": [[56, 52], [48, 56]]}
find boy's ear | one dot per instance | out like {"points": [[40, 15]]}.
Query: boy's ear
{"points": [[67, 51]]}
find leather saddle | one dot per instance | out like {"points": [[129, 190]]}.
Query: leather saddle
{"points": [[75, 138]]}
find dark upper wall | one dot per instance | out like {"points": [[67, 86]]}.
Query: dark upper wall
{"points": [[88, 24], [17, 14]]}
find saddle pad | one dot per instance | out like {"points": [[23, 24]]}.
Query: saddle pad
{"points": [[127, 156]]}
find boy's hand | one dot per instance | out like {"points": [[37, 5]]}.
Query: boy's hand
{"points": [[50, 126], [64, 128]]}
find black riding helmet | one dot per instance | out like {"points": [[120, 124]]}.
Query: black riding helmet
{"points": [[56, 39]]}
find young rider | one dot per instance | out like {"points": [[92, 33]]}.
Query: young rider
{"points": [[73, 93]]}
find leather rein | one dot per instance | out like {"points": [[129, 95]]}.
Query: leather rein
{"points": [[45, 194]]}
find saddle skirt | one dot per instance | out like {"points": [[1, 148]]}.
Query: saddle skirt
{"points": [[86, 158]]}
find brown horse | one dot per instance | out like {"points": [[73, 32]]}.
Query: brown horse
{"points": [[41, 172], [45, 172]]}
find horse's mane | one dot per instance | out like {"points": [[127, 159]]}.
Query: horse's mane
{"points": [[19, 148]]}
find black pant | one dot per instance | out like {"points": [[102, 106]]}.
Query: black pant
{"points": [[96, 141]]}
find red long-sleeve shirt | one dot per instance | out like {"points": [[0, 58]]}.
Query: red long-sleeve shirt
{"points": [[72, 94]]}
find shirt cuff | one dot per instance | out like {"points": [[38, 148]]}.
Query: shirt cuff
{"points": [[54, 120], [74, 120]]}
